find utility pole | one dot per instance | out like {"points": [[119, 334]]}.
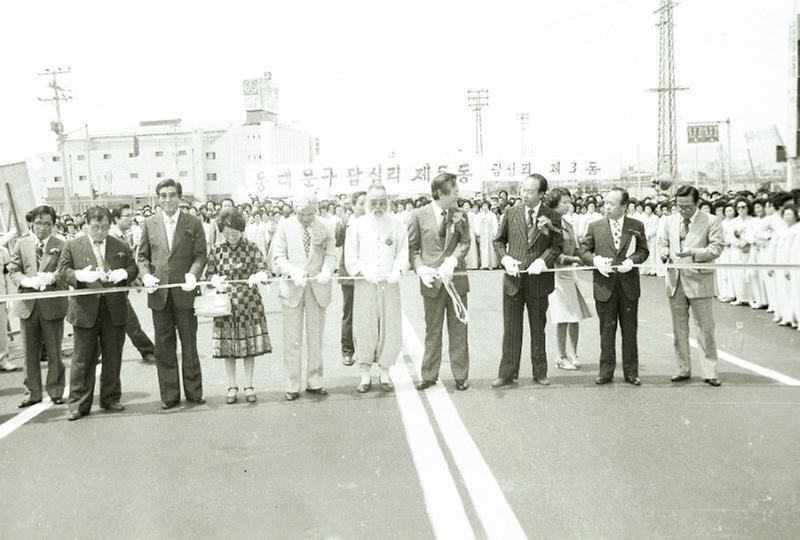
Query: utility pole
{"points": [[667, 167], [59, 95], [523, 120], [478, 99]]}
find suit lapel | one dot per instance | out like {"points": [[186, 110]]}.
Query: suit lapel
{"points": [[177, 236], [432, 216], [536, 232], [625, 239], [694, 230], [45, 256]]}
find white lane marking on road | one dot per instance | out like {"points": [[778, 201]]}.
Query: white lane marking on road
{"points": [[750, 366], [490, 503], [10, 426], [442, 500]]}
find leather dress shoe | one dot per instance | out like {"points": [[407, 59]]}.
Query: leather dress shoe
{"points": [[318, 391], [75, 415], [680, 378], [603, 380], [198, 401], [633, 380], [501, 382], [348, 360], [387, 386], [543, 381], [462, 385], [113, 407], [169, 405], [57, 400], [291, 396], [149, 359], [28, 402], [712, 382], [363, 388], [424, 385]]}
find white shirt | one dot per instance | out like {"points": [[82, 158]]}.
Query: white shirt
{"points": [[528, 212], [99, 253], [376, 246], [437, 213], [43, 243], [169, 224]]}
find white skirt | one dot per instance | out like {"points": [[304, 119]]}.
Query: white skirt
{"points": [[567, 304]]}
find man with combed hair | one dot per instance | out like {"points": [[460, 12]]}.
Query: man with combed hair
{"points": [[303, 250], [377, 250], [342, 230]]}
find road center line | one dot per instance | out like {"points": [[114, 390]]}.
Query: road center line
{"points": [[750, 366], [442, 500], [11, 425], [490, 503]]}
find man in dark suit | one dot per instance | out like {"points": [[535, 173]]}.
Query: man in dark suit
{"points": [[97, 261], [34, 261], [348, 349], [173, 250], [438, 241], [529, 240], [613, 245]]}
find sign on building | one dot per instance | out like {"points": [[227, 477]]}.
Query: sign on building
{"points": [[703, 133]]}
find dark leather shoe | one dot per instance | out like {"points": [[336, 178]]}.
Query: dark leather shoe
{"points": [[633, 380], [348, 360], [462, 385], [113, 407], [74, 415], [544, 381], [199, 401], [149, 359], [28, 403], [57, 400], [387, 386], [501, 382], [603, 380], [680, 378], [363, 388], [291, 396], [169, 405], [712, 382], [318, 391], [424, 385]]}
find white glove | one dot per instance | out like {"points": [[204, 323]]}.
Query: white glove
{"points": [[511, 265], [394, 277], [189, 282], [537, 267], [298, 276], [30, 282], [150, 281], [447, 268], [603, 265], [324, 276], [87, 275], [46, 278], [427, 275], [626, 266], [258, 277], [218, 282], [117, 276]]}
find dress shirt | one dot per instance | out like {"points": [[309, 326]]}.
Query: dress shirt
{"points": [[437, 213], [169, 224]]}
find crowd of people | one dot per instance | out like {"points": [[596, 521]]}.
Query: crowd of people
{"points": [[370, 240]]}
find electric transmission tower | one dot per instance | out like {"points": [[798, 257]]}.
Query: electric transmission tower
{"points": [[523, 120], [478, 99], [667, 166], [59, 95]]}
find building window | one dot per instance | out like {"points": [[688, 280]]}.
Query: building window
{"points": [[184, 173], [181, 152], [81, 157], [82, 178], [134, 175], [56, 179], [106, 156], [211, 155], [159, 153], [211, 177], [159, 175], [56, 158]]}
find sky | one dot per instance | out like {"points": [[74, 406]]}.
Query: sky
{"points": [[370, 78]]}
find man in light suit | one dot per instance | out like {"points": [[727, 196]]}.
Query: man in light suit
{"points": [[173, 250], [692, 237], [438, 241], [303, 249], [616, 241], [97, 261], [529, 239], [33, 268]]}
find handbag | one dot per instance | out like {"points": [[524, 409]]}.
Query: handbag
{"points": [[212, 304]]}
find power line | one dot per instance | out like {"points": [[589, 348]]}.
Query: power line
{"points": [[477, 100], [523, 120], [59, 95]]}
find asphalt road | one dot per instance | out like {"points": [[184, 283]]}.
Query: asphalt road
{"points": [[571, 461]]}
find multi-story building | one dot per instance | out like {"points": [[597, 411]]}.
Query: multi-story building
{"points": [[210, 160]]}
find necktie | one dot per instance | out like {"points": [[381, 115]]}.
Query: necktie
{"points": [[443, 226], [684, 229], [306, 240], [616, 232], [531, 223], [99, 257], [39, 253]]}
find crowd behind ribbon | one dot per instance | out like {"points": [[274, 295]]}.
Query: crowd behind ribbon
{"points": [[370, 239]]}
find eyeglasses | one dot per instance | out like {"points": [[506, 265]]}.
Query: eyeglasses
{"points": [[168, 196]]}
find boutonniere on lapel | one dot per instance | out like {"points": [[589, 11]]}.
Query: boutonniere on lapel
{"points": [[317, 236], [456, 219], [54, 251], [545, 225], [120, 255], [388, 240], [189, 233]]}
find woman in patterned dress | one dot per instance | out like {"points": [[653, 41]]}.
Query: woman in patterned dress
{"points": [[242, 334]]}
